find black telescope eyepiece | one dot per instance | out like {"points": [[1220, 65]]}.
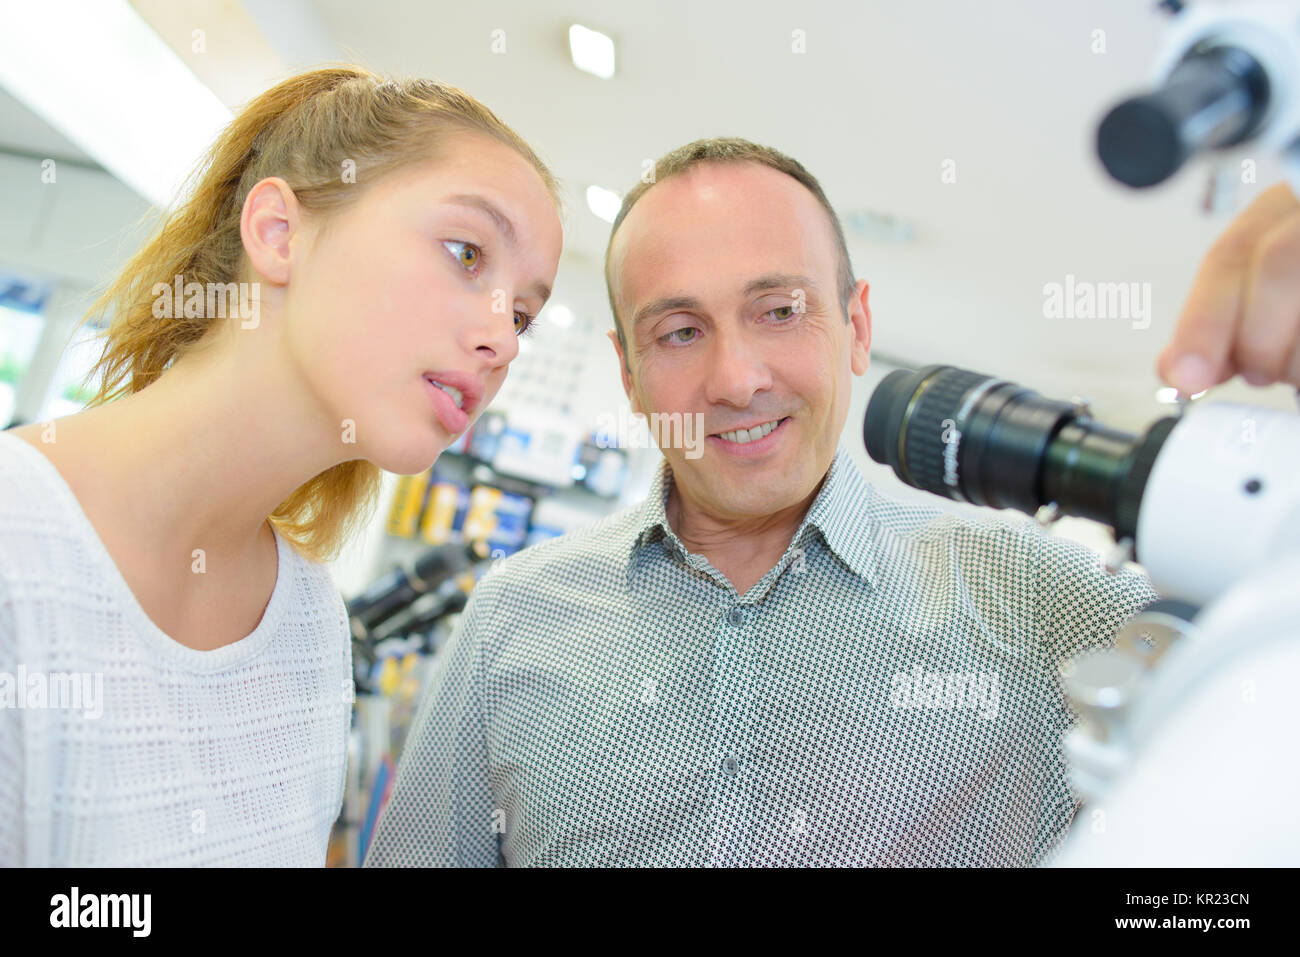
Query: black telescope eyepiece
{"points": [[1216, 97], [974, 438]]}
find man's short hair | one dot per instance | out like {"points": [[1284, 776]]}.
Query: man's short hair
{"points": [[730, 150]]}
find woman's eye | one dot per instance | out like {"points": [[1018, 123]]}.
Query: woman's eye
{"points": [[467, 254], [523, 324]]}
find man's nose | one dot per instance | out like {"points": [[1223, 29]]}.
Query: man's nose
{"points": [[738, 369]]}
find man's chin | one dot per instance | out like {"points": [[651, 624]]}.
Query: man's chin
{"points": [[746, 492]]}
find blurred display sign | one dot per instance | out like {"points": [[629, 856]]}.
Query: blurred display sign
{"points": [[24, 295], [538, 447]]}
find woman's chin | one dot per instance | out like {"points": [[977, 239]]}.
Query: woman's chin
{"points": [[411, 458]]}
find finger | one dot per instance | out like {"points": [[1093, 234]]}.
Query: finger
{"points": [[1270, 321], [1200, 353], [1292, 373], [1198, 356]]}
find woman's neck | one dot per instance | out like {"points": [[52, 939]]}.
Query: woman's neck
{"points": [[210, 449]]}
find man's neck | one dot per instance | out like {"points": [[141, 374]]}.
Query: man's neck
{"points": [[743, 548]]}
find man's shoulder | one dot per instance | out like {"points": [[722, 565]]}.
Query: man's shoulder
{"points": [[922, 523], [554, 583], [1005, 564], [990, 540]]}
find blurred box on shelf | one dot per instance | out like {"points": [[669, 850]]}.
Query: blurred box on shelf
{"points": [[601, 469], [498, 518], [552, 518], [482, 441], [462, 443], [540, 533], [408, 504], [444, 512], [538, 447]]}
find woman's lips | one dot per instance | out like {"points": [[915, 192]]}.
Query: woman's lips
{"points": [[454, 420]]}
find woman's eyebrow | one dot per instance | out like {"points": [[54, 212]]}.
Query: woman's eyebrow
{"points": [[542, 292], [485, 205]]}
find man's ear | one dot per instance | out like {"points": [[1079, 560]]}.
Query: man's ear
{"points": [[860, 321], [623, 368]]}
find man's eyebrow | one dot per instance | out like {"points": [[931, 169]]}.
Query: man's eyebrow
{"points": [[770, 281], [664, 304], [485, 205], [778, 280]]}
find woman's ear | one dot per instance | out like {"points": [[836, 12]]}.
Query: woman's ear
{"points": [[270, 220]]}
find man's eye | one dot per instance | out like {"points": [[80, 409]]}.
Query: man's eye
{"points": [[467, 254], [677, 335], [782, 312]]}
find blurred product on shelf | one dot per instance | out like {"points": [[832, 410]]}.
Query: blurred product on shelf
{"points": [[601, 469], [444, 512], [498, 518]]}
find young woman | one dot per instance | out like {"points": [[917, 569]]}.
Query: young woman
{"points": [[340, 292]]}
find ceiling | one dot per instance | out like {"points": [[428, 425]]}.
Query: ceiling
{"points": [[885, 93], [23, 132]]}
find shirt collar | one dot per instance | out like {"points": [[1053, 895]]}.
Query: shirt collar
{"points": [[839, 512], [652, 519]]}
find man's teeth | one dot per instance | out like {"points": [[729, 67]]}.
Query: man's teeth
{"points": [[452, 391], [741, 436]]}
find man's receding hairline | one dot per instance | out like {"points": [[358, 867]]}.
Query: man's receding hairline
{"points": [[699, 164], [610, 274]]}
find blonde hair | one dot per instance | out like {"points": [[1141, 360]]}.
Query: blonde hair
{"points": [[303, 130]]}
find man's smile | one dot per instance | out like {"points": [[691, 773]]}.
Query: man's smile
{"points": [[756, 439]]}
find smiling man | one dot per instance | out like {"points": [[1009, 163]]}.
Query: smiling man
{"points": [[767, 661]]}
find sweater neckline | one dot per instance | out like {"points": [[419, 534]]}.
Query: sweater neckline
{"points": [[179, 655]]}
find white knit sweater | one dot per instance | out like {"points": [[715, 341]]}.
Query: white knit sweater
{"points": [[120, 746]]}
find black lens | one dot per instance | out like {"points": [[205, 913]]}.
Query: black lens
{"points": [[1217, 96], [977, 439]]}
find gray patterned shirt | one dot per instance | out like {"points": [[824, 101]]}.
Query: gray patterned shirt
{"points": [[887, 694]]}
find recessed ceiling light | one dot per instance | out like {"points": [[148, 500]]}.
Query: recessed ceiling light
{"points": [[603, 202], [592, 51]]}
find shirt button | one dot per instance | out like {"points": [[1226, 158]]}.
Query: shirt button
{"points": [[737, 616], [730, 766]]}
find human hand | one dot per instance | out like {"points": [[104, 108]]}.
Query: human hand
{"points": [[1243, 314]]}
